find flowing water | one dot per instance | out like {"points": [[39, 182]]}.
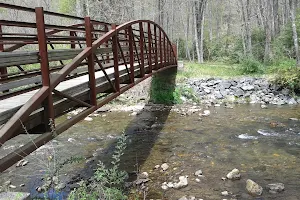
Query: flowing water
{"points": [[264, 144]]}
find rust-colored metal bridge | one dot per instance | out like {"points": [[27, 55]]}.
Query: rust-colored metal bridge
{"points": [[48, 69]]}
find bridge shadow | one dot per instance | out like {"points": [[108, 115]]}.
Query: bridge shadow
{"points": [[143, 132]]}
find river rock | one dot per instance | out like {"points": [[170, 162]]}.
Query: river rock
{"points": [[225, 193], [248, 87], [156, 166], [205, 113], [234, 175], [187, 198], [164, 186], [263, 106], [143, 175], [198, 173], [12, 186], [259, 90], [183, 182], [275, 188], [170, 185], [253, 188], [164, 166], [88, 119]]}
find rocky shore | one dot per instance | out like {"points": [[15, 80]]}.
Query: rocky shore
{"points": [[240, 90]]}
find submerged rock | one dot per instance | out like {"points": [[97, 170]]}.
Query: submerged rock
{"points": [[253, 188], [183, 182], [225, 193], [164, 166], [198, 173], [234, 175], [187, 198], [275, 188], [88, 119], [205, 113]]}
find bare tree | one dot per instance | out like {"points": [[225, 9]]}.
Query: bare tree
{"points": [[294, 28], [200, 6]]}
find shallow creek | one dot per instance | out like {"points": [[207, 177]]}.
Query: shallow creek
{"points": [[264, 144]]}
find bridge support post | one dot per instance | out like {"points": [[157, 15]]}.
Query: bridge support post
{"points": [[116, 58], [150, 47], [131, 55], [142, 66], [91, 63], [43, 53]]}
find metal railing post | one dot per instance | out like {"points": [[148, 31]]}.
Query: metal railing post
{"points": [[3, 70], [150, 47], [165, 51], [156, 48], [116, 58], [107, 45], [72, 34], [142, 67], [91, 63], [175, 52], [44, 62], [160, 49], [131, 54]]}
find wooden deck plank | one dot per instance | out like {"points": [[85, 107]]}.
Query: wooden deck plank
{"points": [[17, 101]]}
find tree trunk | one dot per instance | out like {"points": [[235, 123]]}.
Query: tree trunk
{"points": [[295, 34], [268, 32], [246, 15], [187, 49], [196, 32], [276, 17], [199, 15]]}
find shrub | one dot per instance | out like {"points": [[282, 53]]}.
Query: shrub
{"points": [[251, 66], [288, 78], [107, 183], [280, 64]]}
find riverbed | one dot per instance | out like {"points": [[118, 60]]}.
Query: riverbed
{"points": [[264, 144]]}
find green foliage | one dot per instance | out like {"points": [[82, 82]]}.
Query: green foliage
{"points": [[67, 6], [281, 64], [258, 44], [210, 69], [163, 89], [107, 183], [288, 78], [251, 66]]}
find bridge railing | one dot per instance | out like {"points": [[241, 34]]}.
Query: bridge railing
{"points": [[132, 52], [20, 71]]}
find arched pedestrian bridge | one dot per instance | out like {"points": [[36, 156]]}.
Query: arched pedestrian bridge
{"points": [[48, 69]]}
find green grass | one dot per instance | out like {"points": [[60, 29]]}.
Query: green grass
{"points": [[195, 70]]}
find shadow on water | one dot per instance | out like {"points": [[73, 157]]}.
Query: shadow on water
{"points": [[142, 132]]}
